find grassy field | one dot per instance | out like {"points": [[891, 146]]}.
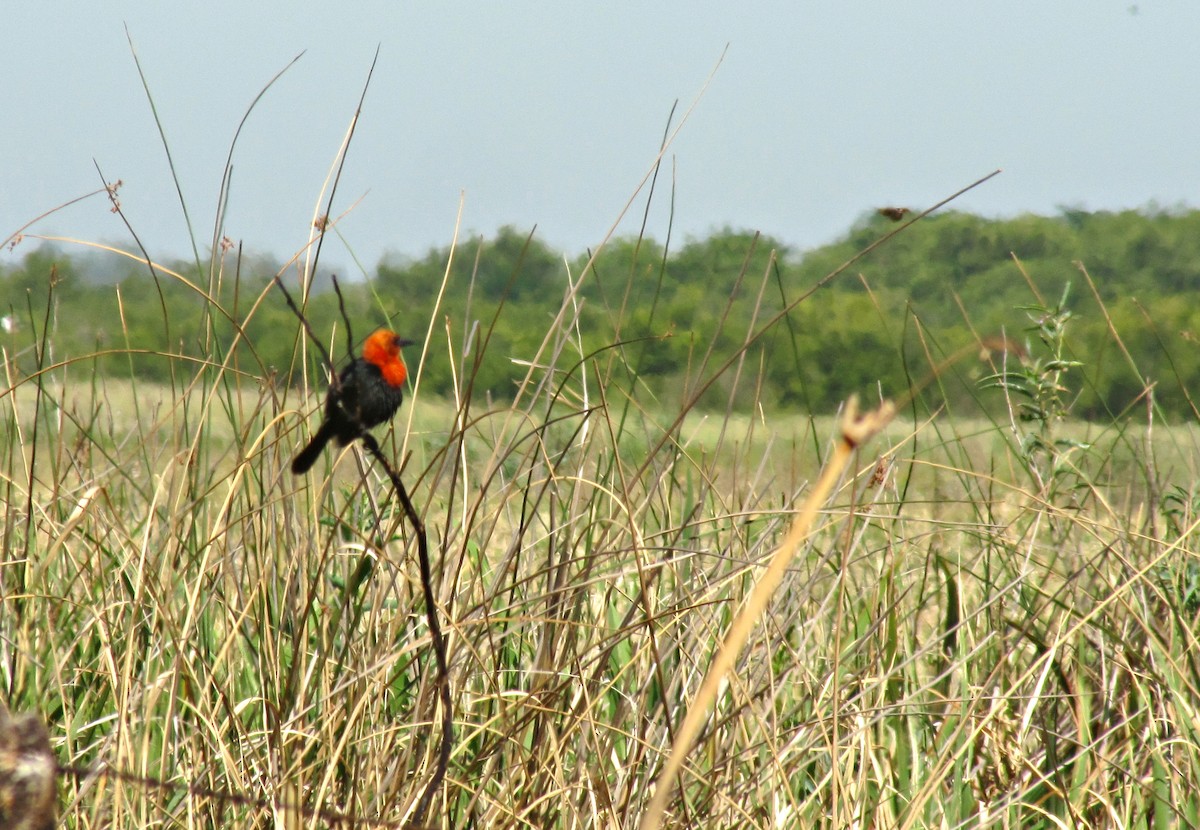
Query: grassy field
{"points": [[992, 622], [989, 620]]}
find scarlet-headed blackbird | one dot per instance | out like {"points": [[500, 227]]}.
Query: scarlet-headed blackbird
{"points": [[368, 392]]}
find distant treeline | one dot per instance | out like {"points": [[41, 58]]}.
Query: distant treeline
{"points": [[664, 317]]}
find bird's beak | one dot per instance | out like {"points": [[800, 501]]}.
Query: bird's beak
{"points": [[401, 342]]}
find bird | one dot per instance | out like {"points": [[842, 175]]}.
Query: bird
{"points": [[893, 213], [368, 392]]}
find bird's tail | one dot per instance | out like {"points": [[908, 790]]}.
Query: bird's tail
{"points": [[308, 456]]}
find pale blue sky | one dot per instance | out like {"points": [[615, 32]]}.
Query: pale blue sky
{"points": [[551, 113]]}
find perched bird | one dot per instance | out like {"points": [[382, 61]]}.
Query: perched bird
{"points": [[893, 213], [368, 392]]}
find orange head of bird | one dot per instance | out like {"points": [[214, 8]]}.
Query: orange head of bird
{"points": [[382, 349]]}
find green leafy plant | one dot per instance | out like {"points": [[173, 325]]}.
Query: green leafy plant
{"points": [[1039, 386]]}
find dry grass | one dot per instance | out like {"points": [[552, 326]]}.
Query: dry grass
{"points": [[976, 634], [969, 638]]}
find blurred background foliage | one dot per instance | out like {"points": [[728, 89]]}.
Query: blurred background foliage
{"points": [[652, 309]]}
